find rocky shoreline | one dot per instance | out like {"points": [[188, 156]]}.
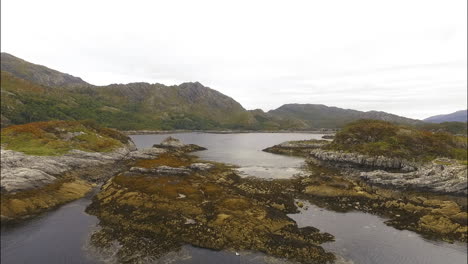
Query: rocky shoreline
{"points": [[32, 184], [440, 175], [428, 198], [175, 199]]}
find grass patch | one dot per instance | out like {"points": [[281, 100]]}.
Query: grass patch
{"points": [[54, 138], [372, 137]]}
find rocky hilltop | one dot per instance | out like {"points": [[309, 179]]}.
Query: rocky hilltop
{"points": [[37, 73]]}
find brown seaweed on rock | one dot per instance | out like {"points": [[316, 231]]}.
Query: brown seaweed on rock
{"points": [[152, 214]]}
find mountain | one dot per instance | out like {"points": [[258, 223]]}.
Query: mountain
{"points": [[458, 116], [31, 92], [37, 73], [130, 106], [322, 116]]}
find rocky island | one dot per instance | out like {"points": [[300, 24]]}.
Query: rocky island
{"points": [[418, 179]]}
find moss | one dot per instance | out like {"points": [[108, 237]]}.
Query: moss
{"points": [[209, 209], [58, 137], [30, 202], [372, 137], [167, 159], [436, 216]]}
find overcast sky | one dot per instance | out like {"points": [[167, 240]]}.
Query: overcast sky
{"points": [[405, 57]]}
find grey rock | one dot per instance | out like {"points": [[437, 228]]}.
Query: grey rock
{"points": [[166, 170], [162, 170], [431, 176], [305, 144], [175, 144], [22, 172], [147, 153], [343, 159], [201, 166], [301, 148], [172, 143]]}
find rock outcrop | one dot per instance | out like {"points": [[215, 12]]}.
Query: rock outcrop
{"points": [[299, 148], [448, 178], [175, 144], [440, 175], [31, 184], [162, 170], [21, 172], [345, 159]]}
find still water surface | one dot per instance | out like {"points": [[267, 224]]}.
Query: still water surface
{"points": [[61, 235], [243, 150]]}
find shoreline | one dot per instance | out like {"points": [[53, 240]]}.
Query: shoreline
{"points": [[155, 132]]}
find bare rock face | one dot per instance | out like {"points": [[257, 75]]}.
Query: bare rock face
{"points": [[448, 178], [343, 159], [22, 172], [441, 175]]}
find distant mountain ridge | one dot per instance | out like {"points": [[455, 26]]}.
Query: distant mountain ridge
{"points": [[32, 92], [322, 116], [458, 116]]}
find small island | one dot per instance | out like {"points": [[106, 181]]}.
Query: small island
{"points": [[416, 178]]}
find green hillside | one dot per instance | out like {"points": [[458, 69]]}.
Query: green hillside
{"points": [[58, 137], [127, 107]]}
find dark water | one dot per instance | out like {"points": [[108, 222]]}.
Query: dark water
{"points": [[61, 236], [364, 238]]}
